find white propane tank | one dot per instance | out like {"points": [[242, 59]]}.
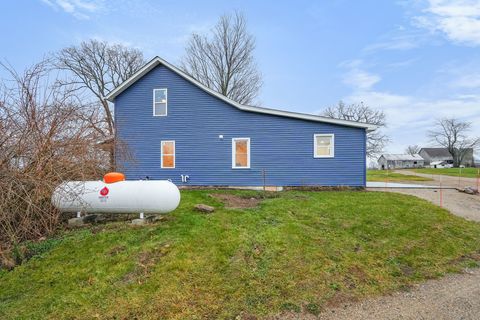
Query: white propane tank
{"points": [[142, 196]]}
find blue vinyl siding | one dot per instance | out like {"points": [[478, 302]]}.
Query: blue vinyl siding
{"points": [[281, 146]]}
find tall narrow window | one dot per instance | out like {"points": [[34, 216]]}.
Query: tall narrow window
{"points": [[241, 153], [168, 154], [159, 102], [323, 145]]}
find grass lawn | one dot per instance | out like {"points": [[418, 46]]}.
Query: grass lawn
{"points": [[388, 175], [297, 251], [464, 172]]}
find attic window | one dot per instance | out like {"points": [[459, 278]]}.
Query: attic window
{"points": [[323, 145], [159, 102]]}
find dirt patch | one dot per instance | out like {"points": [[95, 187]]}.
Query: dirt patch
{"points": [[145, 263], [116, 250], [235, 202], [355, 275], [407, 270], [340, 299]]}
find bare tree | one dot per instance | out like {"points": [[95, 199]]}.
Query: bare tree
{"points": [[97, 67], [412, 149], [44, 140], [452, 134], [223, 60], [376, 140]]}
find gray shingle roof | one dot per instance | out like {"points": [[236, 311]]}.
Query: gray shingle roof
{"points": [[437, 152]]}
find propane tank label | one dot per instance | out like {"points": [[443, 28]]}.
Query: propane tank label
{"points": [[104, 191], [103, 194]]}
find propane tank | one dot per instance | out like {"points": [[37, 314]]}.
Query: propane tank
{"points": [[141, 196]]}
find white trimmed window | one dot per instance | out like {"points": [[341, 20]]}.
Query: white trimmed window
{"points": [[241, 153], [168, 154], [323, 146], [159, 102]]}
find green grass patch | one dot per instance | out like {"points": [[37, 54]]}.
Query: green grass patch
{"points": [[388, 175], [295, 252], [462, 172]]}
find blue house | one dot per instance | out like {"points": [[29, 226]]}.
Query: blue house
{"points": [[173, 127]]}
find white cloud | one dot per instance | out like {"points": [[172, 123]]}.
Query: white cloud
{"points": [[458, 20], [452, 90], [189, 29], [80, 9], [357, 77], [469, 81], [360, 79], [410, 117], [395, 42]]}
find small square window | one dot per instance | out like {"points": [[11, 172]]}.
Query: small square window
{"points": [[159, 102], [323, 145]]}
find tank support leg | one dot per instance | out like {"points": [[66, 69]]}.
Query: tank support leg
{"points": [[141, 215]]}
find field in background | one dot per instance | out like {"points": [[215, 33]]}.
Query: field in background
{"points": [[295, 251], [462, 172], [390, 176]]}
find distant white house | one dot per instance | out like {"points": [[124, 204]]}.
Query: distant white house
{"points": [[400, 161], [440, 164]]}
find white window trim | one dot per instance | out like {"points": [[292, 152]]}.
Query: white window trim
{"points": [[166, 103], [332, 153], [174, 154], [233, 153]]}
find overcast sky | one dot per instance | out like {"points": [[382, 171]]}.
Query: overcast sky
{"points": [[417, 60]]}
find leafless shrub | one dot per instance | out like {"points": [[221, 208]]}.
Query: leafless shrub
{"points": [[45, 138]]}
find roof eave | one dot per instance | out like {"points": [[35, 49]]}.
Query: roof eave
{"points": [[137, 75], [157, 60]]}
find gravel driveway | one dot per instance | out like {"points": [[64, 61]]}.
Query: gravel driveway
{"points": [[458, 203], [453, 297]]}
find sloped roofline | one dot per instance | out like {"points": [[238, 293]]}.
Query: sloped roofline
{"points": [[159, 61], [401, 156]]}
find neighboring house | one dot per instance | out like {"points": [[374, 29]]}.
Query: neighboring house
{"points": [[400, 161], [176, 128], [434, 156]]}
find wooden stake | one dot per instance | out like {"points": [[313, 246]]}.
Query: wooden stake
{"points": [[478, 180], [441, 193]]}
